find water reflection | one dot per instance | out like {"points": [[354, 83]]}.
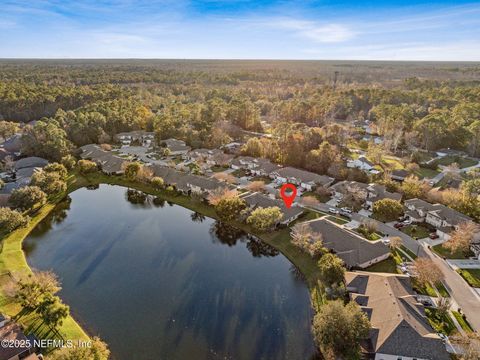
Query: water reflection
{"points": [[165, 275]]}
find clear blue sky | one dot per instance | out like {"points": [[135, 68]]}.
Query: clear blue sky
{"points": [[243, 29]]}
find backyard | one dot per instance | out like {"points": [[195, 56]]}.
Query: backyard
{"points": [[462, 162], [416, 231], [447, 254]]}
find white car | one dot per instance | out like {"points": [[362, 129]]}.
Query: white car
{"points": [[333, 211]]}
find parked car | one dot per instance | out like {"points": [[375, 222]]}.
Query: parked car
{"points": [[398, 225], [346, 212], [407, 222], [333, 211], [433, 236]]}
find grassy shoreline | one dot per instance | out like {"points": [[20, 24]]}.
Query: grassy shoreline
{"points": [[13, 260]]}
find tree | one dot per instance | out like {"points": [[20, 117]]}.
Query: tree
{"points": [[413, 187], [7, 129], [30, 290], [11, 219], [387, 209], [253, 147], [68, 161], [52, 311], [309, 201], [229, 208], [220, 193], [256, 186], [338, 329], [462, 237], [60, 169], [157, 182], [308, 240], [469, 343], [86, 166], [225, 177], [427, 271], [395, 242], [97, 351], [321, 159], [264, 219], [50, 183], [131, 170], [331, 269], [27, 197], [46, 139]]}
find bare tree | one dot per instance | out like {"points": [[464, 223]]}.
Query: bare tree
{"points": [[427, 271], [395, 242], [462, 237], [222, 176], [310, 201], [256, 186]]}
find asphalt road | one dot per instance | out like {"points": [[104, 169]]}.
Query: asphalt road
{"points": [[458, 288]]}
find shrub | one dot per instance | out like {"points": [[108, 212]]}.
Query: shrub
{"points": [[11, 219], [86, 166]]}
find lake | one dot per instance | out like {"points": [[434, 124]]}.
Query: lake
{"points": [[158, 281]]}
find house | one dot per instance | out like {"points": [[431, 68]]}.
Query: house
{"points": [[110, 164], [399, 175], [378, 192], [443, 218], [176, 147], [243, 162], [140, 137], [449, 152], [355, 251], [30, 162], [306, 179], [210, 157], [10, 331], [13, 144], [187, 183], [233, 147], [264, 167], [343, 188], [362, 163], [400, 329], [256, 200]]}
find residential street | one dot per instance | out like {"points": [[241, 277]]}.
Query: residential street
{"points": [[463, 294]]}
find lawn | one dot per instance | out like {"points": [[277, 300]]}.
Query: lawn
{"points": [[416, 231], [386, 266], [440, 250], [426, 289], [462, 321], [471, 276], [13, 262], [442, 290], [338, 220], [462, 162], [426, 173], [408, 251], [440, 323]]}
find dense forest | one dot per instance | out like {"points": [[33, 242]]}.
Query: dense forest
{"points": [[303, 104]]}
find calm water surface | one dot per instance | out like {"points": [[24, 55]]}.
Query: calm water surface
{"points": [[158, 281]]}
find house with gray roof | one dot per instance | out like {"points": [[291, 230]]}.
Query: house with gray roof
{"points": [[13, 144], [306, 179], [443, 218], [176, 147], [31, 162], [108, 162], [355, 251], [379, 192], [343, 188], [364, 164], [400, 329], [264, 167], [188, 183], [257, 200], [143, 138]]}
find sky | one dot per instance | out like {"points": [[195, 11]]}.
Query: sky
{"points": [[243, 29]]}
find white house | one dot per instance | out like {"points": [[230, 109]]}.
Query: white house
{"points": [[364, 164]]}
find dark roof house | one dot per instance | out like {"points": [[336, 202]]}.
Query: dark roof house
{"points": [[400, 328], [255, 200], [354, 250]]}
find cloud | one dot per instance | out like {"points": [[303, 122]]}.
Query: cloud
{"points": [[322, 33]]}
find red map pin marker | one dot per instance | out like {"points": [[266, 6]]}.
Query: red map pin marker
{"points": [[288, 198]]}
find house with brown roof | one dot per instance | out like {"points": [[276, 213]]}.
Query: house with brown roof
{"points": [[11, 331], [400, 329], [355, 251], [306, 179]]}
